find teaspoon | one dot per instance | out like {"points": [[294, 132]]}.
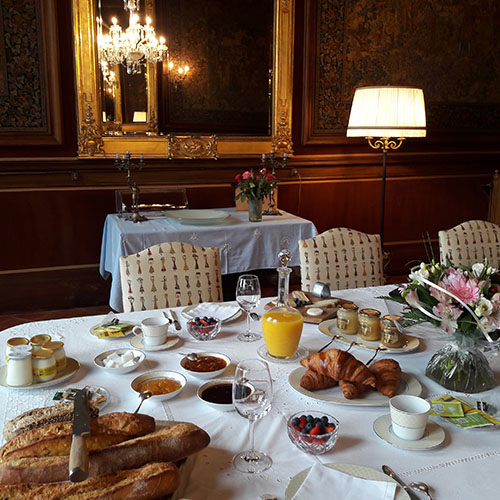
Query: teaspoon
{"points": [[191, 356], [419, 486], [143, 396]]}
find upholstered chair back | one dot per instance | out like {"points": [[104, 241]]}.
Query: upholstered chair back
{"points": [[471, 242], [170, 275], [343, 258]]}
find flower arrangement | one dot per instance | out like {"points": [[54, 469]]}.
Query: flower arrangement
{"points": [[254, 186], [455, 298]]}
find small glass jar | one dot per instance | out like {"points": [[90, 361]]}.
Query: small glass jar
{"points": [[347, 319], [391, 336], [14, 342], [19, 371], [369, 324], [44, 365], [60, 356], [38, 341]]}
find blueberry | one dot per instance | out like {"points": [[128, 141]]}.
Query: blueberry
{"points": [[317, 420], [296, 421], [321, 429], [304, 431], [309, 426], [310, 418], [324, 419]]}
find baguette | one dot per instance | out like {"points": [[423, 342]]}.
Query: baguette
{"points": [[175, 441], [38, 417], [150, 482], [55, 439]]}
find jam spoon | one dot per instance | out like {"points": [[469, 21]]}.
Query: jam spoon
{"points": [[143, 395], [419, 486]]}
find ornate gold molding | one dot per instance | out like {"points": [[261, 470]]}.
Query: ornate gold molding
{"points": [[92, 143]]}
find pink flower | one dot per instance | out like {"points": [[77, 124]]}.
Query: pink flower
{"points": [[457, 283], [238, 178], [269, 177], [412, 298], [247, 175], [438, 295], [263, 171], [449, 315]]}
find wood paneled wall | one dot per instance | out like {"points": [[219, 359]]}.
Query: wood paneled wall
{"points": [[54, 205]]}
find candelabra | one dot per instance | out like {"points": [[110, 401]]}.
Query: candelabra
{"points": [[271, 163], [125, 163]]}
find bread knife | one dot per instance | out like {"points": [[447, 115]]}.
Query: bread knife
{"points": [[79, 455], [387, 470], [176, 321]]}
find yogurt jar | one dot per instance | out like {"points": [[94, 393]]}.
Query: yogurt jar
{"points": [[19, 370], [44, 365], [347, 319], [60, 356], [15, 342], [369, 324], [38, 341]]}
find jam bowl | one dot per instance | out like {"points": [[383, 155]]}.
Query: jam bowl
{"points": [[164, 384], [218, 393], [313, 432], [205, 365]]}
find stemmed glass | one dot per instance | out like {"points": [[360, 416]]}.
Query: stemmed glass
{"points": [[248, 296], [252, 396]]}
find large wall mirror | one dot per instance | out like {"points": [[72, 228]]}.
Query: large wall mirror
{"points": [[223, 90]]}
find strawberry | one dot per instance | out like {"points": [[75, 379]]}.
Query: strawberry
{"points": [[314, 431]]}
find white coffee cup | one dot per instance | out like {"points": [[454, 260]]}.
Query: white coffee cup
{"points": [[409, 416], [154, 330]]}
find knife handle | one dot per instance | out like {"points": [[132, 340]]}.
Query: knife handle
{"points": [[78, 460]]}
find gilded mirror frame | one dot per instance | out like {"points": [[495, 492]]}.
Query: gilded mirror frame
{"points": [[93, 143]]}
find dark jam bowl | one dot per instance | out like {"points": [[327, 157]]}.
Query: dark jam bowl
{"points": [[218, 394]]}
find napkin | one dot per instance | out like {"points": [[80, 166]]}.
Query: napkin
{"points": [[323, 479], [213, 309]]}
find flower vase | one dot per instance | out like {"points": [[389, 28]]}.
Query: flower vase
{"points": [[461, 366], [254, 210]]}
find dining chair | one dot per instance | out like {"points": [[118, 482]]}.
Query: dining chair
{"points": [[343, 258], [471, 242], [170, 274]]}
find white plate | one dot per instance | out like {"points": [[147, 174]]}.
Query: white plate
{"points": [[138, 344], [433, 437], [197, 217], [72, 367], [98, 393], [409, 385], [186, 310], [126, 333], [352, 470], [329, 327]]}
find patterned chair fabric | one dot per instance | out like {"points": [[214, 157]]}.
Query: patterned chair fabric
{"points": [[343, 258], [170, 275], [471, 242]]}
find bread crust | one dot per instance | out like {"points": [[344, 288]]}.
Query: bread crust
{"points": [[146, 483], [175, 441], [55, 439]]}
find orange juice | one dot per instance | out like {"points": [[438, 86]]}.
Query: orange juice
{"points": [[282, 330]]}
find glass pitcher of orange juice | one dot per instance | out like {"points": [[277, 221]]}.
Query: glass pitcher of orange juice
{"points": [[282, 325]]}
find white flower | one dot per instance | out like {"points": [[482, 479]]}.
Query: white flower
{"points": [[484, 307], [490, 270], [423, 272], [478, 269]]}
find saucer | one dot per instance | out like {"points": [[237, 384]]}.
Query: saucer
{"points": [[138, 344], [301, 352], [433, 437]]}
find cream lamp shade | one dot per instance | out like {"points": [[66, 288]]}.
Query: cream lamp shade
{"points": [[387, 112]]}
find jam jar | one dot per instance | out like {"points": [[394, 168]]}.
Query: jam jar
{"points": [[369, 324], [347, 319], [391, 334]]}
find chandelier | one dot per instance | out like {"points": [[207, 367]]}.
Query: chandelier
{"points": [[134, 47]]}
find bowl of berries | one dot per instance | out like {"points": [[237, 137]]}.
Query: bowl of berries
{"points": [[314, 432], [204, 328]]}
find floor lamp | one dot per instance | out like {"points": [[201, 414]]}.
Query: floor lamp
{"points": [[385, 116]]}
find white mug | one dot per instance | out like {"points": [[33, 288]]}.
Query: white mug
{"points": [[409, 416], [154, 330]]}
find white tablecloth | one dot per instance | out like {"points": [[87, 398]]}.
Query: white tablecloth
{"points": [[243, 245], [465, 467]]}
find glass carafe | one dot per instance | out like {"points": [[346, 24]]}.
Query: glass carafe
{"points": [[282, 325]]}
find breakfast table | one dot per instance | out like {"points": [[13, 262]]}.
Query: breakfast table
{"points": [[243, 245], [464, 466]]}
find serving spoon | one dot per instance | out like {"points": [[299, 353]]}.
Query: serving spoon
{"points": [[143, 396], [419, 486], [191, 356]]}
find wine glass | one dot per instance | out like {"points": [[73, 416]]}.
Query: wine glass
{"points": [[248, 296], [252, 396]]}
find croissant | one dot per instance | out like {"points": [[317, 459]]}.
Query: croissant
{"points": [[339, 365], [313, 381], [352, 390], [387, 376]]}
